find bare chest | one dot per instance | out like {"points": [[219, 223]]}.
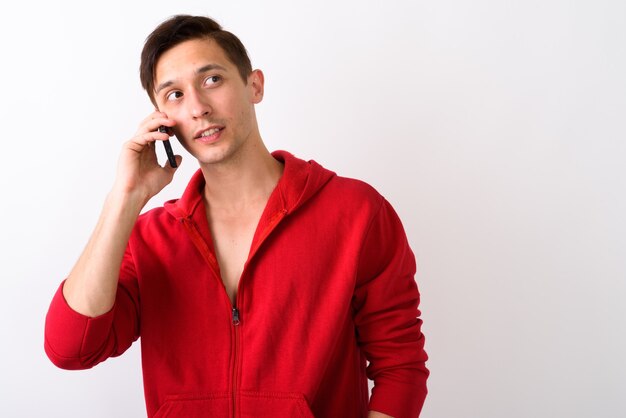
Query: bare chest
{"points": [[232, 238]]}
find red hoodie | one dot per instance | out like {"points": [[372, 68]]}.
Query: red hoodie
{"points": [[328, 286]]}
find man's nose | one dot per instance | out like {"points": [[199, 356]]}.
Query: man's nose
{"points": [[198, 104]]}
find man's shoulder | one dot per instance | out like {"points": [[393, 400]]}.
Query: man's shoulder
{"points": [[347, 197], [354, 189]]}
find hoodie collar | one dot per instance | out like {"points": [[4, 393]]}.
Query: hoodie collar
{"points": [[300, 181]]}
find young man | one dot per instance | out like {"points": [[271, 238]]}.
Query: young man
{"points": [[267, 287]]}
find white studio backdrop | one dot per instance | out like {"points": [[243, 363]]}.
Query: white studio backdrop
{"points": [[495, 128]]}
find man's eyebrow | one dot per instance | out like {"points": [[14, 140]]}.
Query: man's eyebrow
{"points": [[201, 70], [210, 67]]}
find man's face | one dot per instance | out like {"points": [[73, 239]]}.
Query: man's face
{"points": [[198, 87]]}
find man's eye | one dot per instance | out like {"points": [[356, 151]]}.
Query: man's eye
{"points": [[214, 79], [174, 95]]}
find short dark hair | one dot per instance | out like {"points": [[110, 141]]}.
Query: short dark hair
{"points": [[181, 28]]}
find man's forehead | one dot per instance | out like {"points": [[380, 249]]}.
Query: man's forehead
{"points": [[194, 53], [190, 58]]}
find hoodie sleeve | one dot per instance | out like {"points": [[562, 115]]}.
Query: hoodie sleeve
{"points": [[386, 303], [74, 341]]}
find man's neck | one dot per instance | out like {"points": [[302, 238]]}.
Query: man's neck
{"points": [[247, 180]]}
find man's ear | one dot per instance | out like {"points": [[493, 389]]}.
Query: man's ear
{"points": [[256, 82]]}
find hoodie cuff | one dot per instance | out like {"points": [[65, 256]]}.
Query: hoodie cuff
{"points": [[397, 400]]}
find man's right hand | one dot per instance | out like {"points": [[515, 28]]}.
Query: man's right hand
{"points": [[139, 173]]}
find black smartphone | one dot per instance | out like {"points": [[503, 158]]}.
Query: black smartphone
{"points": [[168, 146]]}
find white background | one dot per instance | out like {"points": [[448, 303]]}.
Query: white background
{"points": [[495, 128]]}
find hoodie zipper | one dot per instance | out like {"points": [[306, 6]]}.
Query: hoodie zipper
{"points": [[236, 321], [235, 316], [204, 249]]}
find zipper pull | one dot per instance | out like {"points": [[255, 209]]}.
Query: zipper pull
{"points": [[236, 320]]}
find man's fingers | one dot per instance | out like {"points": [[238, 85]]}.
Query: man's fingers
{"points": [[142, 140], [153, 122]]}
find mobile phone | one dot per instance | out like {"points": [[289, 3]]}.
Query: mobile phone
{"points": [[168, 146]]}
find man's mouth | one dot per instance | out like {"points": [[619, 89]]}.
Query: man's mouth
{"points": [[210, 132], [209, 135]]}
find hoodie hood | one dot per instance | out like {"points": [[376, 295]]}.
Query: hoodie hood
{"points": [[300, 181]]}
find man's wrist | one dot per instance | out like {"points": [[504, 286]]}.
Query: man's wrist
{"points": [[129, 202]]}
